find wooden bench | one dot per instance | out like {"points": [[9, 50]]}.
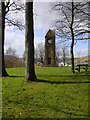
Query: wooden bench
{"points": [[82, 64]]}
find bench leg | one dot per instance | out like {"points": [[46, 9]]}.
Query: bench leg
{"points": [[79, 69], [86, 68]]}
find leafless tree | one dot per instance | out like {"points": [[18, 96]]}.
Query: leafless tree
{"points": [[4, 72], [12, 9], [10, 57], [73, 23], [40, 52], [29, 43], [57, 56], [62, 52], [36, 55], [11, 51], [6, 8]]}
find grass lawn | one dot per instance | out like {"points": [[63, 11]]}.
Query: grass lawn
{"points": [[61, 94]]}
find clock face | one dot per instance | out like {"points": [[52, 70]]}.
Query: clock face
{"points": [[50, 41]]}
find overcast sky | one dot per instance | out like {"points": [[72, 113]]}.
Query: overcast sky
{"points": [[43, 21]]}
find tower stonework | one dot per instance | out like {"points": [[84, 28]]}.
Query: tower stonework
{"points": [[49, 49]]}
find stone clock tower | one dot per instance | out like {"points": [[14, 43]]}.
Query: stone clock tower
{"points": [[49, 49]]}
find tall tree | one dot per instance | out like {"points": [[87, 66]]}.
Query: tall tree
{"points": [[7, 7], [29, 43], [4, 73], [73, 25]]}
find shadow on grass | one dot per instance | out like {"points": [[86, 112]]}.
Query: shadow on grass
{"points": [[63, 79], [66, 79], [67, 76], [15, 76], [60, 82]]}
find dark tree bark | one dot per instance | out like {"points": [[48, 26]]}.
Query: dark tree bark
{"points": [[29, 43], [64, 57], [4, 72], [72, 43]]}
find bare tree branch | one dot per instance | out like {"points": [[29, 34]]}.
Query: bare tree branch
{"points": [[13, 7], [16, 23]]}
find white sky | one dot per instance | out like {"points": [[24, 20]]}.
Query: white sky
{"points": [[42, 22]]}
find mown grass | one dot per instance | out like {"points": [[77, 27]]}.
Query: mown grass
{"points": [[60, 94]]}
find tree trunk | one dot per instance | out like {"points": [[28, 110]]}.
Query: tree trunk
{"points": [[72, 43], [72, 56], [4, 73], [29, 43], [64, 56]]}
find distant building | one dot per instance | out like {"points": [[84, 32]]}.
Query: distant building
{"points": [[62, 64], [50, 49], [39, 64]]}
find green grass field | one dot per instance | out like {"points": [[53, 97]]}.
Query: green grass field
{"points": [[61, 94]]}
